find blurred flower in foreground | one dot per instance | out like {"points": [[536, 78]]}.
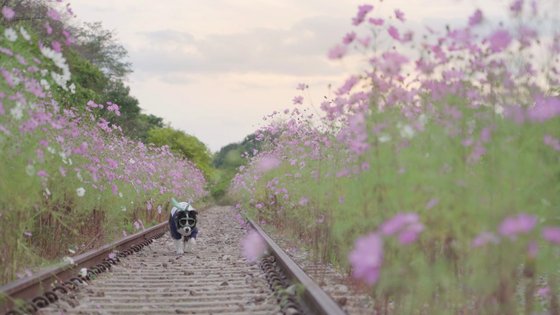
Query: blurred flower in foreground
{"points": [[521, 223], [551, 234], [253, 246], [407, 225], [366, 258]]}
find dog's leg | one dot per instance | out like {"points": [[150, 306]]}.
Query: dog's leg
{"points": [[189, 245], [179, 246]]}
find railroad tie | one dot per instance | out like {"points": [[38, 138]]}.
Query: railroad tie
{"points": [[211, 279]]}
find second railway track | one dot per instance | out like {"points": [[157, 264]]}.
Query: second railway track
{"points": [[213, 278]]}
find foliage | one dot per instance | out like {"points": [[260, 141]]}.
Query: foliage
{"points": [[184, 145], [101, 48], [227, 161]]}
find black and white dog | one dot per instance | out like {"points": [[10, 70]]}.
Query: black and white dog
{"points": [[182, 226]]}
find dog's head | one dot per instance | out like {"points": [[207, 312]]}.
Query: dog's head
{"points": [[186, 221]]}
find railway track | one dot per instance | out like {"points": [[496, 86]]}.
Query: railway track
{"points": [[150, 279]]}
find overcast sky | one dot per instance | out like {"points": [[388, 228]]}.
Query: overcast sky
{"points": [[214, 68]]}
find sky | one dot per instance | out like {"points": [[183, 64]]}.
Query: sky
{"points": [[214, 68]]}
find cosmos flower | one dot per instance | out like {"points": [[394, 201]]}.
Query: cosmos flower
{"points": [[551, 234], [520, 224], [399, 15], [366, 258], [363, 10], [499, 40], [8, 13], [80, 191], [476, 18], [253, 246]]}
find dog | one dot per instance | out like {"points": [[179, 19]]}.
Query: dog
{"points": [[182, 226]]}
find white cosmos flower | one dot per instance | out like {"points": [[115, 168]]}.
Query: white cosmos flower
{"points": [[60, 62], [24, 34], [45, 84], [10, 34], [81, 191], [17, 111]]}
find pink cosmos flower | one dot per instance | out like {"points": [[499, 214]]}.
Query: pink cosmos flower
{"points": [[543, 292], [365, 41], [545, 108], [303, 201], [366, 258], [349, 38], [337, 52], [298, 100], [520, 224], [53, 15], [476, 18], [363, 10], [56, 46], [253, 246], [8, 13], [394, 32], [42, 173], [551, 234], [348, 85], [410, 233], [499, 40], [398, 222], [516, 6], [376, 21], [302, 86], [113, 108], [399, 15]]}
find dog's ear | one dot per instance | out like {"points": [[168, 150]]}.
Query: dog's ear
{"points": [[193, 213]]}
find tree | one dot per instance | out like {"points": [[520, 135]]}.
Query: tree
{"points": [[185, 145], [100, 47]]}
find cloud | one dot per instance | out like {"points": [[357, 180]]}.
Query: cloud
{"points": [[299, 50]]}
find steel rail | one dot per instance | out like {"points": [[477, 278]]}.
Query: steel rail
{"points": [[314, 298], [40, 289]]}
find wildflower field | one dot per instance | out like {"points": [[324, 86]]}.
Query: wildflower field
{"points": [[69, 179], [433, 176]]}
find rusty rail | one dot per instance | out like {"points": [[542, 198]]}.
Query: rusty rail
{"points": [[27, 295], [314, 298]]}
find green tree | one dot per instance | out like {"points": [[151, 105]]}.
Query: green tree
{"points": [[185, 145]]}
